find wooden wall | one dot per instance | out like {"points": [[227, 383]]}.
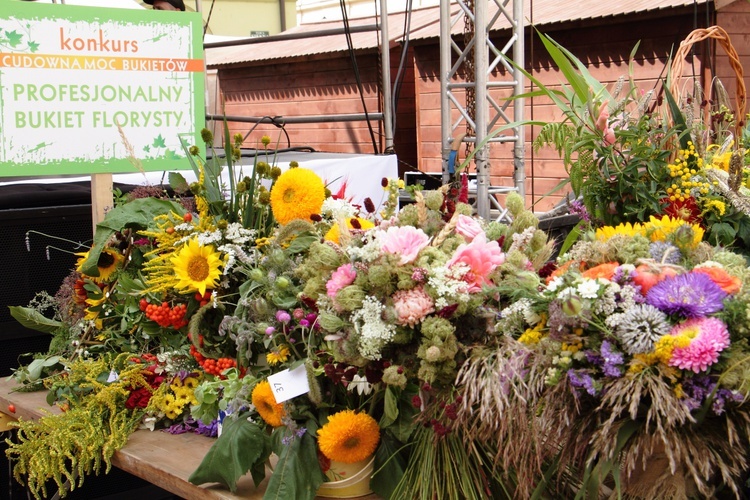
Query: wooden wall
{"points": [[605, 49], [325, 84], [316, 86], [734, 17]]}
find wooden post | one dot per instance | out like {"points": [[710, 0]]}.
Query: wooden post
{"points": [[101, 197]]}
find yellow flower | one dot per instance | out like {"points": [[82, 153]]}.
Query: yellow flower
{"points": [[349, 437], [627, 229], [108, 262], [278, 355], [722, 161], [297, 194], [264, 401], [334, 233], [660, 229], [196, 267]]}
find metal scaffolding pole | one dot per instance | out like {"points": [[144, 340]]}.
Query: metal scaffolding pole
{"points": [[475, 60]]}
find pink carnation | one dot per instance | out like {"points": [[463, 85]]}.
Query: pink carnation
{"points": [[341, 277], [482, 257], [406, 241], [412, 305], [468, 227], [711, 337]]}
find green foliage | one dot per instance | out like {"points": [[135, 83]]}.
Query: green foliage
{"points": [[242, 446], [34, 320], [138, 214], [295, 475]]}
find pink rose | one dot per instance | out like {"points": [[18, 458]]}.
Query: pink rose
{"points": [[341, 277], [406, 241], [468, 227], [481, 257]]}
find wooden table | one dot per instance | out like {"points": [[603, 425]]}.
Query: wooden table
{"points": [[160, 458]]}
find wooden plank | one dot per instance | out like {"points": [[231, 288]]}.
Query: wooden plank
{"points": [[101, 197]]}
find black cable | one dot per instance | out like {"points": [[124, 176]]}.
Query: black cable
{"points": [[401, 65], [274, 122], [350, 45], [208, 19]]}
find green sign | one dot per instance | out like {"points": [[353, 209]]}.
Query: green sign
{"points": [[87, 90]]}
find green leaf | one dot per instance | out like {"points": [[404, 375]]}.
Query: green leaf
{"points": [[572, 237], [389, 466], [159, 142], [33, 47], [302, 242], [297, 474], [14, 38], [137, 214], [178, 183], [390, 413], [241, 446], [34, 320]]}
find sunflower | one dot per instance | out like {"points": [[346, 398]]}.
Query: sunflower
{"points": [[625, 229], [108, 262], [270, 411], [334, 233], [278, 355], [349, 437], [297, 194], [196, 267]]}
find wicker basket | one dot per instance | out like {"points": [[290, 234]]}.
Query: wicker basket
{"points": [[717, 33]]}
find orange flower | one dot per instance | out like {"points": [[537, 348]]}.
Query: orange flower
{"points": [[265, 402], [606, 271], [730, 284]]}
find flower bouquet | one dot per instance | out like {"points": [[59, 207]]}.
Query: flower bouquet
{"points": [[632, 153], [195, 314], [626, 373]]}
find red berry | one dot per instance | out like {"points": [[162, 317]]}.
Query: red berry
{"points": [[188, 217], [12, 408]]}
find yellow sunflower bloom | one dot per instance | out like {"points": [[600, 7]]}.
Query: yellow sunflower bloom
{"points": [[297, 194], [264, 401], [196, 267], [349, 437], [626, 229], [659, 229], [334, 233], [278, 355], [108, 262]]}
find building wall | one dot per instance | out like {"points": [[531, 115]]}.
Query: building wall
{"points": [[607, 59], [245, 17], [318, 86]]}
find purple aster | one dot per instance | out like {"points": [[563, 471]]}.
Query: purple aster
{"points": [[582, 380], [691, 295]]}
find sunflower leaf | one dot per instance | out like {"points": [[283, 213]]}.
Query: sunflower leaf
{"points": [[389, 466], [296, 474], [137, 214], [33, 319], [241, 447]]}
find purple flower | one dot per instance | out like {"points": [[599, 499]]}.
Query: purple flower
{"points": [[283, 316], [270, 330], [304, 323], [691, 295], [582, 380], [578, 208], [612, 360]]}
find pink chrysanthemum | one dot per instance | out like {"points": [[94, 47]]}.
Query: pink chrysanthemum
{"points": [[709, 337], [412, 305], [406, 241], [482, 257], [341, 277]]}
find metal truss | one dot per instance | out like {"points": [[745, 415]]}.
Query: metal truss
{"points": [[465, 70]]}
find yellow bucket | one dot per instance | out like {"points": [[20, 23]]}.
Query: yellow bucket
{"points": [[348, 480]]}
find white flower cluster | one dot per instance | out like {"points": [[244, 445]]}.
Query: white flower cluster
{"points": [[448, 288], [237, 234], [337, 209], [235, 253], [369, 251], [521, 240], [373, 331], [516, 316]]}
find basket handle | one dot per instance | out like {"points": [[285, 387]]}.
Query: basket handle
{"points": [[722, 37]]}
